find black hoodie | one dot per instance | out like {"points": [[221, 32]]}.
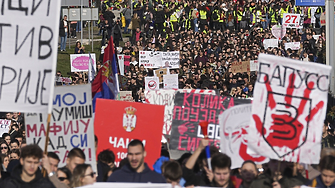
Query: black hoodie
{"points": [[127, 174], [15, 180]]}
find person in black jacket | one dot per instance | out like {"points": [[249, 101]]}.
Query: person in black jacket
{"points": [[27, 174], [159, 20], [136, 170]]}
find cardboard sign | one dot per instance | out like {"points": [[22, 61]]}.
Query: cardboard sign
{"points": [[80, 62], [4, 126], [170, 59], [243, 66], [160, 73], [29, 43], [288, 109], [151, 83], [293, 21], [64, 79], [189, 110], [170, 81], [150, 59], [254, 65], [292, 45], [234, 125], [166, 97], [130, 120], [71, 124], [270, 43], [126, 96]]}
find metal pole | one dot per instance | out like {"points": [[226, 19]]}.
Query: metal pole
{"points": [[81, 22], [89, 32], [330, 41], [92, 37]]}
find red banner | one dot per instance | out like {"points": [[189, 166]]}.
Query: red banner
{"points": [[118, 122]]}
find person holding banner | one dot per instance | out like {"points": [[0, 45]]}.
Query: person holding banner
{"points": [[136, 168]]}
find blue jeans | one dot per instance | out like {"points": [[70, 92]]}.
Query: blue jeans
{"points": [[195, 21], [78, 28], [63, 42], [126, 30]]}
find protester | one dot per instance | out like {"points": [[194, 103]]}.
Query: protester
{"points": [[79, 49], [248, 172], [4, 147], [64, 175], [75, 157], [105, 164], [82, 175], [27, 173], [327, 177], [136, 168], [5, 161]]}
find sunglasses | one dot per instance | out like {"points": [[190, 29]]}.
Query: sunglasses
{"points": [[92, 174], [3, 147], [62, 178]]}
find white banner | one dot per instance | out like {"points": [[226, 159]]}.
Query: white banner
{"points": [[120, 59], [292, 45], [313, 10], [288, 110], [270, 43], [253, 65], [234, 125], [125, 96], [28, 53], [150, 59], [170, 59], [166, 97], [151, 83], [80, 62], [293, 21], [170, 81], [71, 124], [4, 126]]}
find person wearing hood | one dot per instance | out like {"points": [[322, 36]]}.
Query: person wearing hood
{"points": [[27, 174], [136, 170]]}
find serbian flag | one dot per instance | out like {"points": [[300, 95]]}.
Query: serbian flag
{"points": [[106, 84]]}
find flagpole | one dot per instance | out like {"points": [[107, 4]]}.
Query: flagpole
{"points": [[118, 68]]}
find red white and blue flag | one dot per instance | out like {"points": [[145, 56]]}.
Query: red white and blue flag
{"points": [[106, 85]]}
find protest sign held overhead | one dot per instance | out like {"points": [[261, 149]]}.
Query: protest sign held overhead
{"points": [[160, 73], [254, 65], [170, 59], [71, 124], [150, 59], [4, 126], [288, 110], [189, 110], [80, 62], [234, 125], [129, 121], [28, 50], [293, 21], [166, 97], [151, 83], [170, 81], [125, 96]]}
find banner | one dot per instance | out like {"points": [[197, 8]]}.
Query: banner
{"points": [[254, 65], [292, 45], [150, 59], [243, 66], [120, 60], [166, 97], [4, 126], [80, 62], [310, 2], [170, 59], [189, 110], [130, 120], [151, 83], [170, 81], [270, 43], [288, 109], [63, 79], [234, 125], [71, 124], [293, 21], [28, 48], [125, 96]]}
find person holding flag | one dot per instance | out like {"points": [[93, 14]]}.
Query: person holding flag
{"points": [[106, 85]]}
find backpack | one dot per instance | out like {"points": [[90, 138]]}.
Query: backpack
{"points": [[215, 15]]}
